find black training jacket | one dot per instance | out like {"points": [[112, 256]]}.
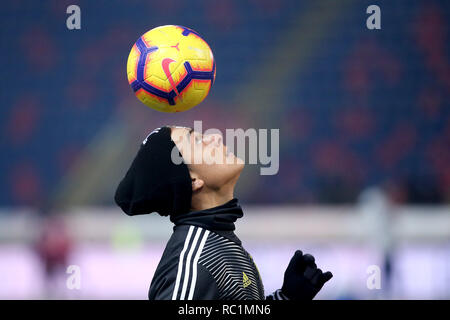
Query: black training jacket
{"points": [[205, 260]]}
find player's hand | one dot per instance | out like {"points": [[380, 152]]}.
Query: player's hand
{"points": [[302, 279]]}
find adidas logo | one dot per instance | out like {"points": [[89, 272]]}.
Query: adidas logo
{"points": [[245, 280]]}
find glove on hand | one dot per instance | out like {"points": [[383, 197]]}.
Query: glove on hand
{"points": [[302, 279]]}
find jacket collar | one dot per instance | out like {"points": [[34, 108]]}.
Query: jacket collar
{"points": [[220, 218]]}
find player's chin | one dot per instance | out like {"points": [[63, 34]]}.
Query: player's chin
{"points": [[235, 161], [240, 162]]}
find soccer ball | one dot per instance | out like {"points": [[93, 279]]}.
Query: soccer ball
{"points": [[171, 68]]}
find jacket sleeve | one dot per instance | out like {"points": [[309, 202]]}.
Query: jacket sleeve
{"points": [[277, 295], [195, 284], [163, 284], [205, 287]]}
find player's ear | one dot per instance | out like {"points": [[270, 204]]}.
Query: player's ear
{"points": [[197, 184]]}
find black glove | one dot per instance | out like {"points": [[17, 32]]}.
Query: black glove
{"points": [[302, 279]]}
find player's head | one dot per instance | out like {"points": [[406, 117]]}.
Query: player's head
{"points": [[171, 174], [211, 166]]}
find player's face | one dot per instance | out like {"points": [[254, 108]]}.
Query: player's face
{"points": [[207, 157]]}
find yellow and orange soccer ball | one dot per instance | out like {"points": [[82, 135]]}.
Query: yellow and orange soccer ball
{"points": [[171, 68]]}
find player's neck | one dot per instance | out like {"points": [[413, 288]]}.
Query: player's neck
{"points": [[211, 198]]}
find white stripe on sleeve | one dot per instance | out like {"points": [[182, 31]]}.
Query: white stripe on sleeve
{"points": [[188, 262], [194, 266], [180, 263]]}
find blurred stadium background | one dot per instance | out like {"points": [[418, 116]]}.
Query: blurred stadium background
{"points": [[364, 119]]}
